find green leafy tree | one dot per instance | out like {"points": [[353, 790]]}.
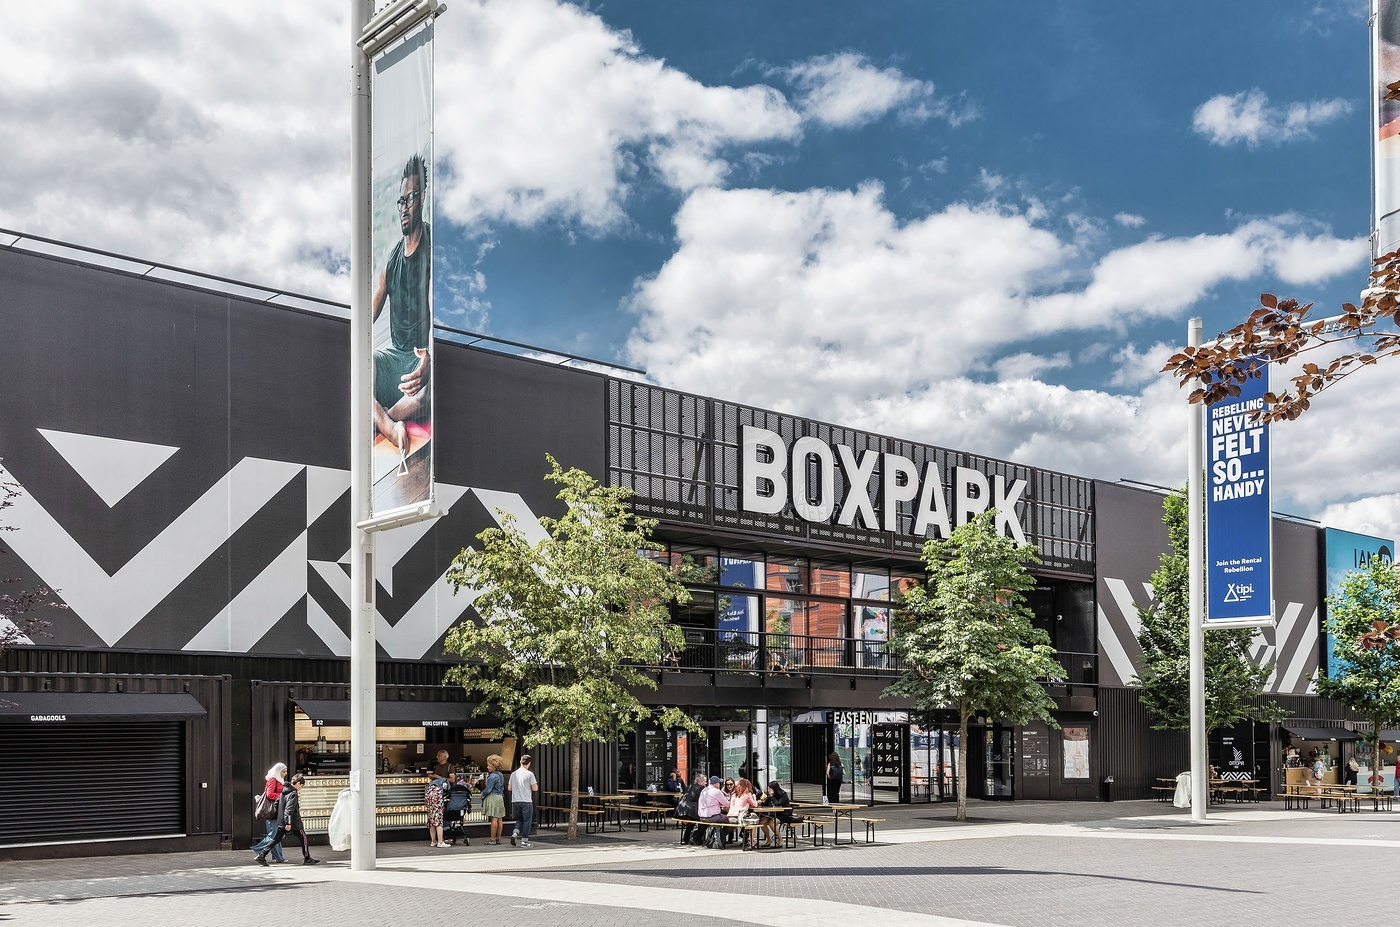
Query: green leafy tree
{"points": [[966, 640], [568, 625], [1234, 683], [1362, 617]]}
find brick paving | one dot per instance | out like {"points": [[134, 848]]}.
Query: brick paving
{"points": [[1024, 863]]}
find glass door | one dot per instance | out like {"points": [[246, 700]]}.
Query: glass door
{"points": [[998, 762]]}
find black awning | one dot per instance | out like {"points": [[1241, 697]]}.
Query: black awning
{"points": [[1321, 733], [336, 713], [61, 707]]}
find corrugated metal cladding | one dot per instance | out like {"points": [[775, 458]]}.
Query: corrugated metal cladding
{"points": [[597, 767], [204, 761], [1135, 755]]}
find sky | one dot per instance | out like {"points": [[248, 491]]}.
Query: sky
{"points": [[982, 226]]}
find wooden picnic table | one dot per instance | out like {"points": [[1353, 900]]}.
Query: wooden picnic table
{"points": [[838, 811]]}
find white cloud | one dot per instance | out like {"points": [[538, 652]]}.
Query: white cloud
{"points": [[822, 303], [846, 90], [1027, 366], [1248, 117], [1129, 220], [214, 136]]}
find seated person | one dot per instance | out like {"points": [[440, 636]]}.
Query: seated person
{"points": [[675, 783], [743, 801], [776, 797], [688, 808], [712, 806]]}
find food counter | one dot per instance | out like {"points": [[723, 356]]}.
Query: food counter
{"points": [[398, 801]]}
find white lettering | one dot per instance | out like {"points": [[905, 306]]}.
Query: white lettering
{"points": [[754, 470], [932, 510], [858, 474], [966, 479], [804, 449], [895, 492], [1004, 500], [48, 717]]}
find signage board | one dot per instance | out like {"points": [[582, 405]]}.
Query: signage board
{"points": [[1239, 520], [1345, 553]]}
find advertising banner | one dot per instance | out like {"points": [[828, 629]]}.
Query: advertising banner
{"points": [[1346, 552], [402, 471], [1239, 539], [1385, 159]]}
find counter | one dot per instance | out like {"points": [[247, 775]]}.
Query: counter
{"points": [[398, 801]]}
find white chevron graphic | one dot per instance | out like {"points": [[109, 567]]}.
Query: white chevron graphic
{"points": [[113, 467], [427, 619], [1113, 649], [114, 604], [1307, 647]]}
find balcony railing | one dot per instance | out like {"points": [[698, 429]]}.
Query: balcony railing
{"points": [[767, 653], [780, 654]]}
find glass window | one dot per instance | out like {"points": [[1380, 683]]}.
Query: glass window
{"points": [[831, 579], [901, 583], [657, 554], [873, 631], [744, 572], [696, 564], [787, 574], [870, 584], [738, 615]]}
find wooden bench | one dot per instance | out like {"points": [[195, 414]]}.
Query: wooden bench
{"points": [[1292, 800], [869, 827], [1346, 801], [593, 818], [745, 831], [1165, 792], [646, 815]]}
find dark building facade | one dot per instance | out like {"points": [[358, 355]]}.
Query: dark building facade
{"points": [[183, 457]]}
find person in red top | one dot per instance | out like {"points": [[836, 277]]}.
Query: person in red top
{"points": [[272, 790]]}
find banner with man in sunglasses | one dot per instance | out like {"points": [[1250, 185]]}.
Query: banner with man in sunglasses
{"points": [[402, 471]]}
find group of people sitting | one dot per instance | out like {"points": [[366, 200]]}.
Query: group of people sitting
{"points": [[725, 801]]}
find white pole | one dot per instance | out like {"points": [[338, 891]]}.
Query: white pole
{"points": [[363, 657], [1195, 439]]}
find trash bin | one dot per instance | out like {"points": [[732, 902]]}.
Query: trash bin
{"points": [[1106, 789]]}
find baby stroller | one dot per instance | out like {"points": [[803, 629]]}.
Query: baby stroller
{"points": [[456, 805]]}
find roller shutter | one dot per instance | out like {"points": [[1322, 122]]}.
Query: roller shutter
{"points": [[88, 781]]}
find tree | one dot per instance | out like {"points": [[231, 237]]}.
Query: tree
{"points": [[1361, 617], [19, 620], [966, 640], [1233, 681], [1280, 331], [569, 624]]}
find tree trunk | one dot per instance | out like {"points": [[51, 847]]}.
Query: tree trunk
{"points": [[573, 787], [962, 764]]}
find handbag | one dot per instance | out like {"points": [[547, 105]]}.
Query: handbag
{"points": [[264, 809]]}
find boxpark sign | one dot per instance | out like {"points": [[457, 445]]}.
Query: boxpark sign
{"points": [[774, 476]]}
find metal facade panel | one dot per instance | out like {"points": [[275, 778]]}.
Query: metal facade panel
{"points": [[1132, 540], [225, 535]]}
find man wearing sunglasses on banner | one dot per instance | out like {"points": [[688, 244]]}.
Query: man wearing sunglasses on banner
{"points": [[401, 367]]}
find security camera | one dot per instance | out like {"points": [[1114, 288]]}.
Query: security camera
{"points": [[1096, 712]]}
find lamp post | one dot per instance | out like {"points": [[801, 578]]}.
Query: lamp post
{"points": [[1195, 457]]}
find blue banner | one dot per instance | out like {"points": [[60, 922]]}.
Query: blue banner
{"points": [[1348, 552], [1239, 550]]}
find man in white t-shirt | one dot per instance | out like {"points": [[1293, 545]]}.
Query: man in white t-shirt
{"points": [[523, 787]]}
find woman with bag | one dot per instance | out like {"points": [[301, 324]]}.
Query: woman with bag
{"points": [[835, 775], [493, 798], [265, 809], [741, 806]]}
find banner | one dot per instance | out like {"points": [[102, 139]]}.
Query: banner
{"points": [[402, 181], [1385, 157], [1239, 545], [1346, 552]]}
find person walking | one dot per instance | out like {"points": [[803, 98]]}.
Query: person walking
{"points": [[493, 798], [289, 816], [523, 787], [835, 775], [273, 787]]}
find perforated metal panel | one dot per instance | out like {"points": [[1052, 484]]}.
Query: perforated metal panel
{"points": [[680, 454]]}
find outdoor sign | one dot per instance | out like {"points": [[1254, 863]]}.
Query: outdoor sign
{"points": [[1385, 117], [1239, 546], [887, 756], [402, 302], [1346, 552]]}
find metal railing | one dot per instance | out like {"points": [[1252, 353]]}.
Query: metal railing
{"points": [[771, 653]]}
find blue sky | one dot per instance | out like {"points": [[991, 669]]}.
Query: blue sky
{"points": [[979, 225]]}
